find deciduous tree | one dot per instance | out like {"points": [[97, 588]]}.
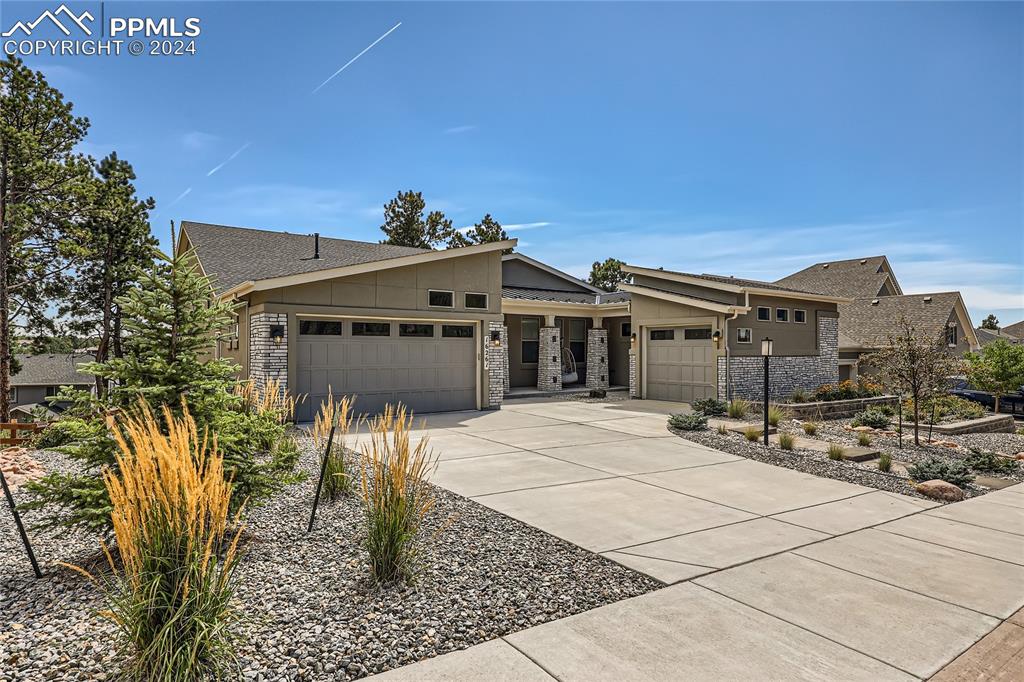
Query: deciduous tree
{"points": [[998, 368], [990, 322]]}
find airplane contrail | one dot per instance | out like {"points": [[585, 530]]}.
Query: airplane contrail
{"points": [[349, 63], [228, 160]]}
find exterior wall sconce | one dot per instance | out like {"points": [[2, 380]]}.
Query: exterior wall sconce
{"points": [[496, 338], [277, 333], [716, 336], [632, 340]]}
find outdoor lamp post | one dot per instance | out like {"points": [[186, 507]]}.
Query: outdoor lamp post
{"points": [[767, 346]]}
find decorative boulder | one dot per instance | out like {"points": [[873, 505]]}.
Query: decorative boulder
{"points": [[940, 490], [598, 393], [862, 429]]}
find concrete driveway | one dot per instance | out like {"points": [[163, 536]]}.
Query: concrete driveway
{"points": [[771, 574]]}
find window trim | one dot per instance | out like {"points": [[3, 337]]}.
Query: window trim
{"points": [[785, 321], [750, 335], [440, 291], [952, 336], [757, 315], [465, 303], [799, 310]]}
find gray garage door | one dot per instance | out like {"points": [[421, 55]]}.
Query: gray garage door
{"points": [[680, 364], [429, 366]]}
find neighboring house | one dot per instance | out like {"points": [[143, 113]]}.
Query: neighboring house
{"points": [[987, 336], [383, 323], [699, 336], [867, 321], [42, 376], [1015, 330]]}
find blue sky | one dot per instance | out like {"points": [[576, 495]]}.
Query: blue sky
{"points": [[745, 139]]}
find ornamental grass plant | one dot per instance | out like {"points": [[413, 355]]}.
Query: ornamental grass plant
{"points": [[338, 480], [738, 408], [397, 495], [775, 415], [170, 592]]}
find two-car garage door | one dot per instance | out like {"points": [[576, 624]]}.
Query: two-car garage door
{"points": [[680, 364], [428, 366]]}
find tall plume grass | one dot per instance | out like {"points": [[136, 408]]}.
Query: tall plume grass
{"points": [[171, 596], [274, 400], [397, 495], [337, 478]]}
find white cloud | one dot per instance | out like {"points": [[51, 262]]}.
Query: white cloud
{"points": [[194, 140], [519, 227], [458, 130]]}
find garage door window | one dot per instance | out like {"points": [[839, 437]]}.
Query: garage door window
{"points": [[698, 334], [371, 329], [320, 327], [531, 339], [457, 331], [421, 330], [663, 334]]}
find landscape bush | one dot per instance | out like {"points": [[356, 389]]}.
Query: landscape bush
{"points": [[397, 495], [62, 432], [863, 439], [953, 471], [876, 419], [775, 415], [810, 428], [738, 408], [885, 462], [696, 421], [946, 407], [786, 441], [752, 433], [799, 395], [722, 430], [990, 462], [836, 451], [848, 390], [171, 592], [712, 407]]}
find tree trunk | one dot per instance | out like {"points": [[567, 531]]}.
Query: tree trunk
{"points": [[917, 422], [996, 410], [5, 299]]}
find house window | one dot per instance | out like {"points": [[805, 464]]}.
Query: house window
{"points": [[663, 334], [743, 335], [457, 331], [782, 314], [697, 334], [626, 330], [531, 339], [420, 330], [800, 316], [476, 301], [371, 329], [951, 335], [441, 299], [578, 340], [13, 396], [320, 327], [52, 391], [764, 313]]}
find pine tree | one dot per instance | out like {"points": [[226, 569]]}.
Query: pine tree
{"points": [[44, 192], [405, 225], [990, 322], [487, 231], [607, 275]]}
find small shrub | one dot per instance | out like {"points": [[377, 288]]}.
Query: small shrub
{"points": [[885, 462], [752, 433], [810, 428], [990, 462], [1020, 431], [946, 407], [786, 441], [863, 439], [738, 408], [886, 409], [63, 432], [710, 406], [696, 421], [775, 415], [871, 417], [836, 451], [171, 597], [952, 471], [722, 430], [848, 390], [397, 495], [799, 395]]}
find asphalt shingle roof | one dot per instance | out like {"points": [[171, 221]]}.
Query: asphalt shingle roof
{"points": [[556, 296], [1015, 329], [58, 369], [729, 279], [870, 324], [855, 278], [987, 336], [233, 255]]}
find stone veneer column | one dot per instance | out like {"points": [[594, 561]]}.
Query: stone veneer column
{"points": [[504, 342], [634, 377], [268, 360], [597, 358], [497, 365], [549, 360]]}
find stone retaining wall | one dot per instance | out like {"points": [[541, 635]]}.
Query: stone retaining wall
{"points": [[995, 423], [834, 409]]}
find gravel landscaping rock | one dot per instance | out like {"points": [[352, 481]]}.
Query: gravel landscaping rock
{"points": [[311, 612]]}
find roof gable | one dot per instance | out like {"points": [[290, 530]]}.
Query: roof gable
{"points": [[1015, 329], [855, 278], [522, 272], [869, 322]]}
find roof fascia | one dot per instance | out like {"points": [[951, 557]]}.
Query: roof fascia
{"points": [[679, 277]]}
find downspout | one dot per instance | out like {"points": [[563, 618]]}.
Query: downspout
{"points": [[728, 356]]}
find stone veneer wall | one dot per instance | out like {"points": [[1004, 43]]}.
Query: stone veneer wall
{"points": [[497, 365], [787, 372], [634, 383], [549, 360], [597, 358], [267, 360], [504, 343]]}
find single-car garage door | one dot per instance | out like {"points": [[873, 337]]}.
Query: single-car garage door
{"points": [[429, 366], [680, 364]]}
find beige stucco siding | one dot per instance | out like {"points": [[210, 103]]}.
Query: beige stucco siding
{"points": [[790, 338]]}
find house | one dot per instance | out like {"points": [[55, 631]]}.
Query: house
{"points": [[987, 336], [42, 376], [878, 301], [384, 323], [1015, 330]]}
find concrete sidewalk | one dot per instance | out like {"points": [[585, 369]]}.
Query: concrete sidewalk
{"points": [[772, 574]]}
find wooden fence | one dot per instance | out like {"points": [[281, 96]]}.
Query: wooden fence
{"points": [[9, 432]]}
